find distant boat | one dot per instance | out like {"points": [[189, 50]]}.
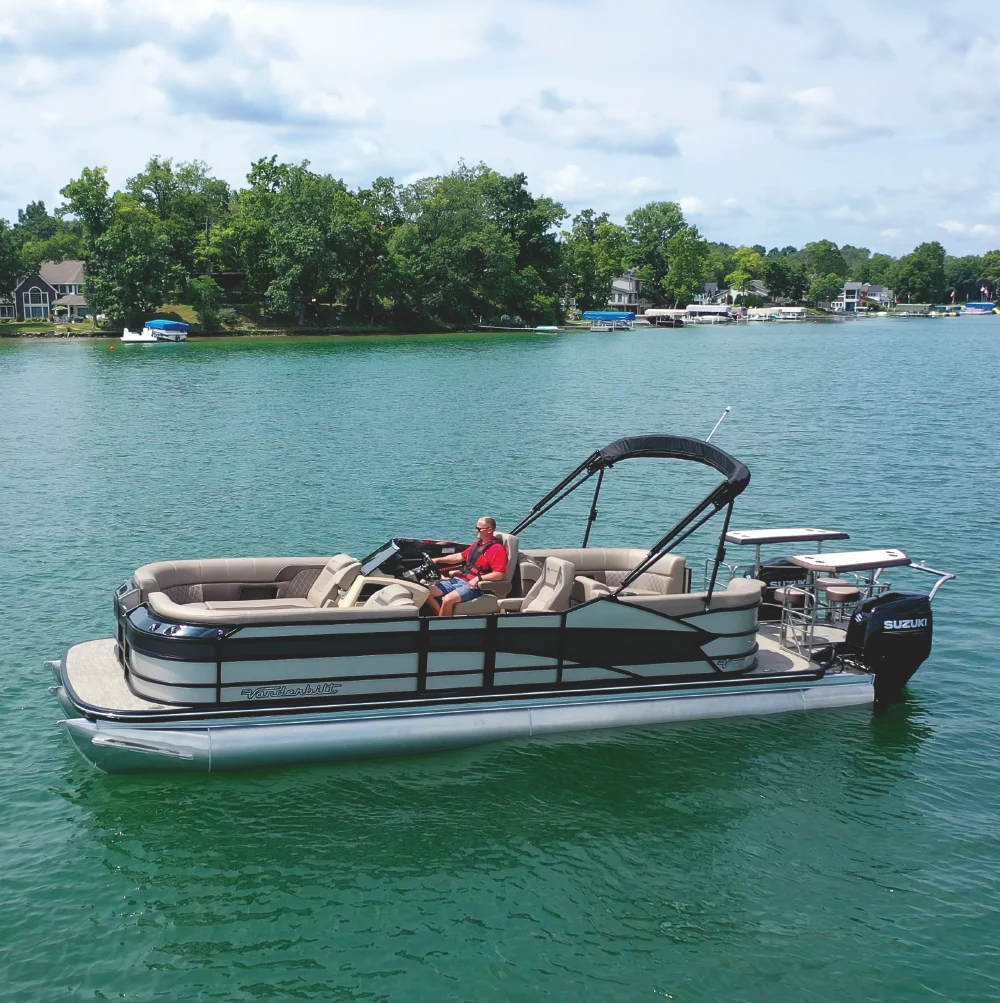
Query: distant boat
{"points": [[980, 308], [609, 320], [157, 330]]}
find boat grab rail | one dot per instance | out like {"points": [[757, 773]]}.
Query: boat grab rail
{"points": [[943, 576]]}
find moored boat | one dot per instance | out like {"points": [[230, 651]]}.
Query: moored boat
{"points": [[154, 331], [221, 664]]}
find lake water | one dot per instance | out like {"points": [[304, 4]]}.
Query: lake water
{"points": [[831, 856]]}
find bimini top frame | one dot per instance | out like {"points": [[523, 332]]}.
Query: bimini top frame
{"points": [[670, 447]]}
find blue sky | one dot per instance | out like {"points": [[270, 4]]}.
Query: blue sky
{"points": [[775, 123]]}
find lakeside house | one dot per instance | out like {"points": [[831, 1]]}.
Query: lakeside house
{"points": [[626, 293], [55, 290], [860, 296]]}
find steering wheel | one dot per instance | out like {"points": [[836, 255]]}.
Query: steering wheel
{"points": [[428, 570]]}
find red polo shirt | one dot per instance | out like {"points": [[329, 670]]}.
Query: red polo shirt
{"points": [[493, 558]]}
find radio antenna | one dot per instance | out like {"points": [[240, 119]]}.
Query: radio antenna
{"points": [[718, 423]]}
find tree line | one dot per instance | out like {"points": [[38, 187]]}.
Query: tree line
{"points": [[446, 252]]}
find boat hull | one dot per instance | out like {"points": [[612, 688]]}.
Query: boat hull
{"points": [[132, 747]]}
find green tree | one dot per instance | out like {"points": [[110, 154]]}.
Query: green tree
{"points": [[35, 223], [650, 230], [87, 198], [825, 288], [61, 246], [991, 267], [785, 278], [595, 251], [130, 267], [688, 254], [750, 265], [964, 276], [858, 261], [206, 297], [920, 275], [824, 258], [10, 259], [882, 269]]}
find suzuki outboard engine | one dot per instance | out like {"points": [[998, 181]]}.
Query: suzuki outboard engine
{"points": [[774, 573], [890, 635]]}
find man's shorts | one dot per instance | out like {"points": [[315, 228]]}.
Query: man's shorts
{"points": [[461, 586]]}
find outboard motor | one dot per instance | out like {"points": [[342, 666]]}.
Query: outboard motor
{"points": [[774, 573], [890, 635]]}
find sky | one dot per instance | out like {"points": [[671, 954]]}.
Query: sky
{"points": [[775, 123]]}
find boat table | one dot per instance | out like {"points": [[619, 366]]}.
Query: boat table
{"points": [[757, 538], [835, 564]]}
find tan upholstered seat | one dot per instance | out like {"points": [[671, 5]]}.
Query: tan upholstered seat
{"points": [[550, 594], [740, 593], [790, 596], [392, 596], [334, 580], [611, 565], [255, 604]]}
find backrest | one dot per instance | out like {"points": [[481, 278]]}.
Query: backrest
{"points": [[552, 590], [339, 574], [612, 564], [392, 595], [510, 544]]}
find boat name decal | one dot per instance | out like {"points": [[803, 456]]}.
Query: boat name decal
{"points": [[282, 690], [904, 624]]}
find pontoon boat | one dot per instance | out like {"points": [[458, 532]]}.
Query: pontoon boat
{"points": [[154, 331], [221, 664]]}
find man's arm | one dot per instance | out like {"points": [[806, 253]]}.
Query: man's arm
{"points": [[448, 558]]}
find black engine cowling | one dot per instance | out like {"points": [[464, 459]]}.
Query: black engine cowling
{"points": [[891, 636]]}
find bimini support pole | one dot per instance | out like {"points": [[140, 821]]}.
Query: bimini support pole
{"points": [[593, 506], [720, 554]]}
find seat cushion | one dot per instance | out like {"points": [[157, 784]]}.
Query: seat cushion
{"points": [[552, 591], [257, 604], [335, 578], [481, 604], [392, 595]]}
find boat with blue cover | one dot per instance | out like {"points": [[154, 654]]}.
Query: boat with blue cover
{"points": [[158, 330], [246, 662]]}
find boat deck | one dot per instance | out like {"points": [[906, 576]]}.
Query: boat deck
{"points": [[95, 677]]}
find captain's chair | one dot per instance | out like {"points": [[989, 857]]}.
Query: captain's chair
{"points": [[550, 594]]}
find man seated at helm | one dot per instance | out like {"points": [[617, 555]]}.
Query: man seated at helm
{"points": [[484, 561]]}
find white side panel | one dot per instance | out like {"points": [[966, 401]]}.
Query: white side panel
{"points": [[457, 623], [614, 614], [271, 670], [299, 691], [527, 677], [374, 625], [451, 661], [506, 660], [668, 668], [533, 620], [452, 682], [580, 675], [165, 670], [172, 694], [726, 621]]}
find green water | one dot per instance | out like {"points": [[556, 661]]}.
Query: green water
{"points": [[829, 856]]}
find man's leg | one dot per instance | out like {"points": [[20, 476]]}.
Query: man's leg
{"points": [[433, 600], [449, 602]]}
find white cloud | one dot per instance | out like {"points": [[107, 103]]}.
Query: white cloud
{"points": [[975, 230], [864, 123], [551, 117]]}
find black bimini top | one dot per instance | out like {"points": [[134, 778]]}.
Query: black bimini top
{"points": [[674, 447]]}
